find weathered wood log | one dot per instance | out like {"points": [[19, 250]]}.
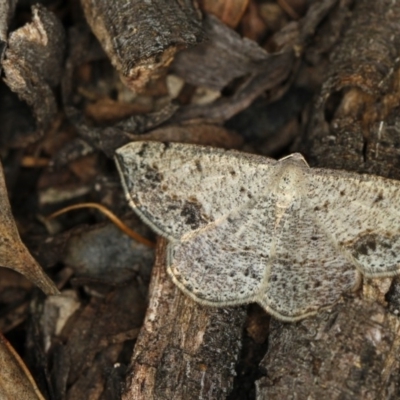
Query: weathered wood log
{"points": [[141, 38], [184, 350]]}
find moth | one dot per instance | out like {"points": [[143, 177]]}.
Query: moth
{"points": [[245, 228]]}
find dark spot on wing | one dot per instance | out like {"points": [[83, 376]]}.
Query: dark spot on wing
{"points": [[232, 172], [342, 192], [370, 243], [143, 149], [153, 177], [198, 165], [193, 214], [189, 288], [379, 198], [387, 244], [360, 250]]}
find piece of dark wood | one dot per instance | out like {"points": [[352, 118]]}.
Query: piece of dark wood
{"points": [[225, 56], [350, 352], [7, 8], [184, 350], [261, 72], [141, 38], [355, 123]]}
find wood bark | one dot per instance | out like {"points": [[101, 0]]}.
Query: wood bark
{"points": [[141, 38], [7, 8], [184, 350]]}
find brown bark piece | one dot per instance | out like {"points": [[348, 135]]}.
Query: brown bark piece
{"points": [[141, 38], [229, 12], [350, 352], [33, 64], [266, 71], [223, 58], [204, 134], [271, 77], [184, 350], [92, 340], [7, 8], [15, 380], [355, 123], [110, 138]]}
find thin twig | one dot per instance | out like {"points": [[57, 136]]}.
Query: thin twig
{"points": [[111, 216]]}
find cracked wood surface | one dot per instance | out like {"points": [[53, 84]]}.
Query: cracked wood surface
{"points": [[184, 350]]}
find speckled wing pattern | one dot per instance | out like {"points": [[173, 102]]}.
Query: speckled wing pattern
{"points": [[362, 214], [246, 228]]}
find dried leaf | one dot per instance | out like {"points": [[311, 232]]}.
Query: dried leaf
{"points": [[223, 58], [15, 379], [13, 253], [229, 12], [33, 65], [7, 9], [108, 139]]}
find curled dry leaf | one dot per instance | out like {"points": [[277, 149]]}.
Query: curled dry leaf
{"points": [[224, 57], [108, 139], [205, 134], [13, 253], [7, 9], [33, 65], [15, 380], [229, 12]]}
